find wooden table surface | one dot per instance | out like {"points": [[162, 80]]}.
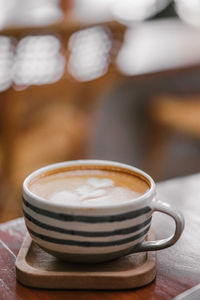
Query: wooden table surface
{"points": [[178, 267]]}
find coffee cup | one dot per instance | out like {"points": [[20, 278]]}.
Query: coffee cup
{"points": [[93, 210]]}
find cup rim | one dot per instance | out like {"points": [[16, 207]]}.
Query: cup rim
{"points": [[73, 163]]}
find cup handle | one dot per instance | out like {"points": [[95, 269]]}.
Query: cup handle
{"points": [[165, 243]]}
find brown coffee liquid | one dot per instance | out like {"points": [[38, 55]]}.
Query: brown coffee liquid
{"points": [[89, 187]]}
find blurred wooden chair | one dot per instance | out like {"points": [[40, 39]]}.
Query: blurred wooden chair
{"points": [[179, 114], [171, 114]]}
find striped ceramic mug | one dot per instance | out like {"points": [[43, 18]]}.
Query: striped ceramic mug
{"points": [[99, 233]]}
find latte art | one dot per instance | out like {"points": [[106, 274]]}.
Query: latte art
{"points": [[88, 187], [94, 192]]}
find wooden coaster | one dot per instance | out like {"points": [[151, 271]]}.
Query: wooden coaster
{"points": [[38, 269]]}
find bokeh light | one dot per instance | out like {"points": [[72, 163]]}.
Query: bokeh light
{"points": [[129, 11], [89, 53], [6, 62], [189, 11], [38, 60]]}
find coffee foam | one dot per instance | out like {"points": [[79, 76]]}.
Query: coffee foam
{"points": [[88, 187]]}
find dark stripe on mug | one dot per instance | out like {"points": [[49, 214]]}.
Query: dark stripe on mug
{"points": [[88, 219], [88, 243], [123, 231]]}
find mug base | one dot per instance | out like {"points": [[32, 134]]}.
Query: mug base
{"points": [[89, 258]]}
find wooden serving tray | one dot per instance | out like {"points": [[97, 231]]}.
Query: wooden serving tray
{"points": [[38, 269]]}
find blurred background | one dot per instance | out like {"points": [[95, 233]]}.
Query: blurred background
{"points": [[105, 79]]}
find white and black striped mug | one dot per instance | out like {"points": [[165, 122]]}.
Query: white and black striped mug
{"points": [[95, 231]]}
